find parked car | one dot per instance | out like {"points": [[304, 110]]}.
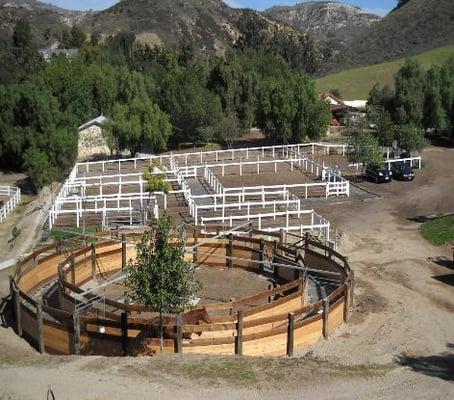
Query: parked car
{"points": [[378, 174], [402, 171]]}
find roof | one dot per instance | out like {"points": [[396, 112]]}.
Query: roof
{"points": [[95, 121], [359, 104]]}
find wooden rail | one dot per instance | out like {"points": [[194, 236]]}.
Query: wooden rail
{"points": [[272, 322]]}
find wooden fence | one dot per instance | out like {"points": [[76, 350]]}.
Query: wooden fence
{"points": [[273, 322]]}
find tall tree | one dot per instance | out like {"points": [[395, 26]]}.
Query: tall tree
{"points": [[140, 125], [409, 100]]}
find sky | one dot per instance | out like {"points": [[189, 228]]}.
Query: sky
{"points": [[380, 7]]}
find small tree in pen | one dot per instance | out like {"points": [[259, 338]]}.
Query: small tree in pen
{"points": [[160, 277]]}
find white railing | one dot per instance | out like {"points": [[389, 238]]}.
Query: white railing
{"points": [[14, 195], [413, 161], [178, 169], [317, 222], [203, 156], [291, 203], [213, 181]]}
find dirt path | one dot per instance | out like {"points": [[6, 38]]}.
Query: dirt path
{"points": [[399, 343]]}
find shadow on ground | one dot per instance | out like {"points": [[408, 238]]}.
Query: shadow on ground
{"points": [[439, 366]]}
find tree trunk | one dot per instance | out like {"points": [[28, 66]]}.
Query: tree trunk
{"points": [[161, 333]]}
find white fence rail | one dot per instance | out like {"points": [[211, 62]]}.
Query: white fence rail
{"points": [[14, 195]]}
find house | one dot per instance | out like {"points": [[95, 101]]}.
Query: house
{"points": [[91, 140], [345, 110]]}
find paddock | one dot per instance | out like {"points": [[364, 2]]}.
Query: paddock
{"points": [[305, 291], [223, 187]]}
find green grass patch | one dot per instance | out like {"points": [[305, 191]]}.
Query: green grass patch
{"points": [[439, 231], [72, 232], [225, 370], [356, 83]]}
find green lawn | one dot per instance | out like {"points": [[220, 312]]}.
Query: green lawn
{"points": [[357, 83], [439, 231]]}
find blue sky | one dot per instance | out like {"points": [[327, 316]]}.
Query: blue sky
{"points": [[377, 6]]}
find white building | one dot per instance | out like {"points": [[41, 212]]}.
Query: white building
{"points": [[91, 140]]}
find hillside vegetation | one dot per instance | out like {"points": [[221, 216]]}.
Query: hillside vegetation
{"points": [[356, 83]]}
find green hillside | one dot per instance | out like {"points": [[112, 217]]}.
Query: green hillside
{"points": [[356, 83]]}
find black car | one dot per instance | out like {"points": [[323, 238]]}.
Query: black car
{"points": [[402, 171], [378, 174]]}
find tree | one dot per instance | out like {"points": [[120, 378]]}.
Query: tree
{"points": [[73, 38], [435, 115], [39, 169], [159, 277], [411, 138], [363, 148], [385, 129], [22, 35], [156, 179], [409, 99], [139, 125], [290, 110], [190, 104]]}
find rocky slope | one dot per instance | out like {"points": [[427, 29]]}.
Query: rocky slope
{"points": [[42, 17], [325, 19], [209, 24], [416, 26]]}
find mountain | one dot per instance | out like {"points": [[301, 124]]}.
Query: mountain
{"points": [[209, 24], [414, 27], [326, 19], [42, 17]]}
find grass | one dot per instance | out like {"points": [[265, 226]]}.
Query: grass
{"points": [[439, 231], [356, 83], [264, 371], [65, 234]]}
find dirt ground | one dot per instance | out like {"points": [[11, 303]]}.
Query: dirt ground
{"points": [[399, 342]]}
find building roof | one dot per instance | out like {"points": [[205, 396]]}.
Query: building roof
{"points": [[358, 104], [99, 121]]}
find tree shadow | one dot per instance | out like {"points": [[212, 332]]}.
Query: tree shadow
{"points": [[439, 366]]}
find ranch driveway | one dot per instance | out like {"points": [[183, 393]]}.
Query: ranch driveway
{"points": [[399, 343]]}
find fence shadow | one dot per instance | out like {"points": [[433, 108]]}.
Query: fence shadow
{"points": [[446, 279], [6, 312], [439, 366]]}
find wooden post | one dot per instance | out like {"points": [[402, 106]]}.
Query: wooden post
{"points": [[305, 289], [262, 253], [76, 321], [346, 301], [93, 261], [239, 333], [39, 321], [123, 251], [270, 286], [17, 310], [229, 252], [59, 247], [196, 241], [325, 317], [281, 236], [179, 336], [73, 269], [124, 332], [290, 334], [306, 241]]}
